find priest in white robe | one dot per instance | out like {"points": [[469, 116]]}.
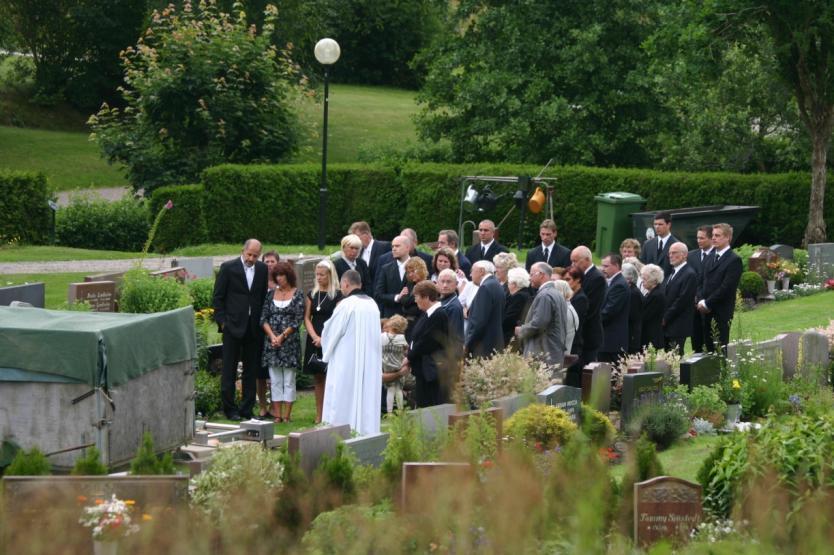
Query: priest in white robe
{"points": [[351, 347]]}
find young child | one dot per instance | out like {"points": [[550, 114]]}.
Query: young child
{"points": [[394, 347]]}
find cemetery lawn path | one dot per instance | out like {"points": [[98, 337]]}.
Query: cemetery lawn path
{"points": [[682, 460], [779, 317]]}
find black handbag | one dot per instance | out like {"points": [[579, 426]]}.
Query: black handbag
{"points": [[316, 364]]}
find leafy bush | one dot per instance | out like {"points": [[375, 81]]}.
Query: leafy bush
{"points": [[91, 223], [485, 379], [351, 525], [147, 462], [90, 464], [336, 473], [705, 402], [751, 284], [642, 463], [406, 442], [29, 463], [201, 291], [475, 439], [185, 222], [597, 426], [761, 388], [240, 476], [142, 293], [23, 204], [663, 423], [207, 388], [543, 425]]}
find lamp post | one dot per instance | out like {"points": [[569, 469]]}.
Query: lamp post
{"points": [[327, 53]]}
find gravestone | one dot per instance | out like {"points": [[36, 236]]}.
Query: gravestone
{"points": [[460, 419], [368, 449], [511, 404], [760, 259], [101, 295], [813, 349], [665, 508], [657, 366], [305, 271], [424, 482], [638, 390], [790, 353], [178, 273], [433, 420], [311, 445], [195, 268], [32, 293], [700, 369], [769, 353], [113, 276], [821, 259], [596, 386], [564, 397], [785, 252], [736, 349]]}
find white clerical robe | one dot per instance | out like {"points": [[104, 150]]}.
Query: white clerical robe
{"points": [[351, 347]]}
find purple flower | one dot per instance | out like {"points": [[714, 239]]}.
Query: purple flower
{"points": [[795, 400], [169, 204]]}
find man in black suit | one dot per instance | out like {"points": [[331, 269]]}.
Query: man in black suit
{"points": [[680, 299], [614, 310], [449, 238], [409, 233], [484, 335], [593, 285], [390, 280], [350, 260], [239, 292], [488, 247], [722, 272], [656, 250], [548, 251], [372, 248], [428, 352], [696, 259]]}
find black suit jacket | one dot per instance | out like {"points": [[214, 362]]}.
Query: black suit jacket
{"points": [[652, 331], [720, 283], [388, 257], [361, 267], [378, 248], [515, 311], [593, 285], [484, 334], [237, 307], [648, 255], [614, 316], [635, 319], [464, 264], [680, 303], [579, 301], [694, 259], [558, 256], [427, 351], [474, 252], [388, 284]]}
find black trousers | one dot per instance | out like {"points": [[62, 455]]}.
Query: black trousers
{"points": [[248, 350], [713, 323], [675, 343], [698, 332]]}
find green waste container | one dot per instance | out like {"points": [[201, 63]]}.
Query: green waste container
{"points": [[613, 221]]}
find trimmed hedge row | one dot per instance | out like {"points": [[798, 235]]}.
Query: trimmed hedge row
{"points": [[185, 223], [24, 213], [280, 203]]}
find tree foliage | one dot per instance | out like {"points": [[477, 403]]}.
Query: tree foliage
{"points": [[524, 81], [202, 87]]}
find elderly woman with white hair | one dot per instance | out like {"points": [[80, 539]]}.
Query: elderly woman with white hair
{"points": [[654, 304], [573, 318], [635, 308], [504, 262], [518, 301]]}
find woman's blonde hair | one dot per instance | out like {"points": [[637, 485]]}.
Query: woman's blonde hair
{"points": [[333, 281], [417, 264], [397, 323]]}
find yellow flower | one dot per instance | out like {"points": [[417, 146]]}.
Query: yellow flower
{"points": [[146, 517], [130, 502], [736, 385]]}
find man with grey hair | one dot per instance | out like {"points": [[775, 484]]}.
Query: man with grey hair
{"points": [[447, 283], [593, 285], [544, 331], [483, 332], [680, 289], [239, 292]]}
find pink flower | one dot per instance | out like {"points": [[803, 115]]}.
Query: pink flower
{"points": [[169, 204]]}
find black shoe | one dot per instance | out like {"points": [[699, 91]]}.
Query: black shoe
{"points": [[246, 416], [267, 416], [233, 416]]}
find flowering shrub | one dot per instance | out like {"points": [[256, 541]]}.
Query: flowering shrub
{"points": [[712, 531], [541, 424], [702, 427], [110, 520], [485, 379]]}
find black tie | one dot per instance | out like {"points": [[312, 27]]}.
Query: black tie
{"points": [[545, 254], [659, 247], [717, 256], [702, 257], [483, 253]]}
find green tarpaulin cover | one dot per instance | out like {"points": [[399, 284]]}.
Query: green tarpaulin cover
{"points": [[96, 348]]}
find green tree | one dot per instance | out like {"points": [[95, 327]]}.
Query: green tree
{"points": [[524, 81], [202, 88]]}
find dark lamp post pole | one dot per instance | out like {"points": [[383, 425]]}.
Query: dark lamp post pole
{"points": [[327, 53]]}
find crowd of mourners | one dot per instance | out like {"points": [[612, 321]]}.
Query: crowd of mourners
{"points": [[385, 317]]}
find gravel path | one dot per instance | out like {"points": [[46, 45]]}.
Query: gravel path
{"points": [[106, 193], [95, 266]]}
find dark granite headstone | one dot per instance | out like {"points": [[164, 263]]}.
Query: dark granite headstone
{"points": [[101, 295], [596, 386], [196, 268], [311, 445], [305, 271], [700, 369], [564, 397], [32, 293], [785, 252], [639, 389], [665, 508]]}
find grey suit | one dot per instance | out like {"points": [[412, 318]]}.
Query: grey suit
{"points": [[545, 328]]}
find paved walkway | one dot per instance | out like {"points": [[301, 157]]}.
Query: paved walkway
{"points": [[96, 266], [106, 193]]}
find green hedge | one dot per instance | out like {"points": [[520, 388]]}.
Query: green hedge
{"points": [[280, 203], [24, 213], [185, 223], [95, 223]]}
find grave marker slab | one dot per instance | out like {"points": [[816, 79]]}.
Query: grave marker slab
{"points": [[178, 273], [769, 352], [447, 479], [665, 508], [639, 389], [196, 268], [564, 397], [310, 445], [434, 419], [736, 349], [790, 353], [596, 386], [813, 348], [368, 449], [821, 259], [700, 369], [32, 293], [305, 270], [101, 295], [785, 252], [511, 404]]}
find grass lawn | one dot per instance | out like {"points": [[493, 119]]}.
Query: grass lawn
{"points": [[795, 315], [55, 285], [681, 460], [43, 253], [303, 415]]}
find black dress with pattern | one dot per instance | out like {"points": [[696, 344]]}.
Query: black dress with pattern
{"points": [[321, 309]]}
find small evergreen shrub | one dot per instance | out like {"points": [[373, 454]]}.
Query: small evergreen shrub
{"points": [[147, 462], [201, 291], [29, 463], [23, 204], [142, 293], [751, 284], [207, 388], [705, 402], [101, 224], [406, 442], [597, 426], [337, 475], [541, 424], [663, 423], [90, 464]]}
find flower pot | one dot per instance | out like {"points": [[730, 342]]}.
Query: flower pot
{"points": [[771, 286], [105, 548], [786, 283], [733, 414]]}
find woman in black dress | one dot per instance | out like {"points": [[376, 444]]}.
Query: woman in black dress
{"points": [[579, 301], [318, 308], [415, 272], [518, 302], [654, 304], [635, 309], [270, 258]]}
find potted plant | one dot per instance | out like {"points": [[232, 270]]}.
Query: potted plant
{"points": [[731, 394], [787, 269], [110, 520], [771, 271]]}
